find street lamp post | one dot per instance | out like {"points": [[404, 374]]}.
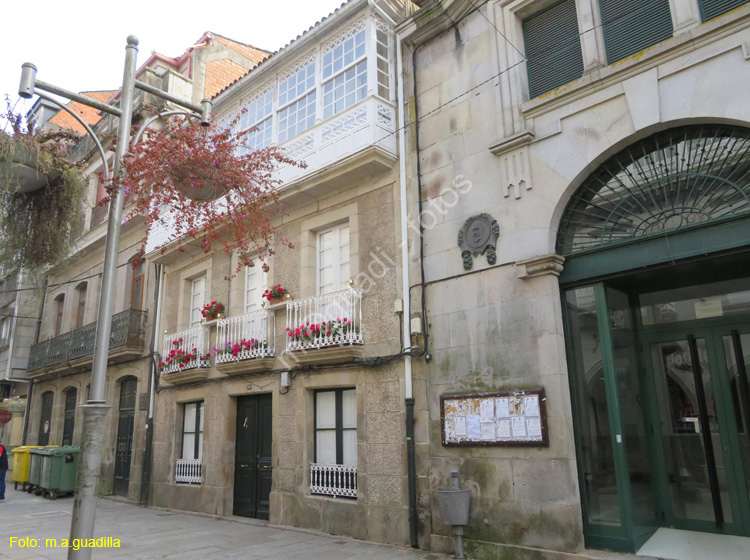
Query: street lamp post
{"points": [[95, 409]]}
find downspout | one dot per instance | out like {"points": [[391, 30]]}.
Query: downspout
{"points": [[148, 452], [409, 400], [31, 381], [13, 327]]}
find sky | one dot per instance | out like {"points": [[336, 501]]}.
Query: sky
{"points": [[76, 47]]}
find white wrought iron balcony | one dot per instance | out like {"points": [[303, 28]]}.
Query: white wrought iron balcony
{"points": [[333, 480], [188, 471], [245, 337], [184, 350], [327, 320]]}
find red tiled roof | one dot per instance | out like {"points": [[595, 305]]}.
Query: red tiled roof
{"points": [[65, 120], [253, 53], [219, 73]]}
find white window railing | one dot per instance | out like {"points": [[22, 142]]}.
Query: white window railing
{"points": [[333, 319], [189, 471], [245, 336], [333, 480], [177, 346]]}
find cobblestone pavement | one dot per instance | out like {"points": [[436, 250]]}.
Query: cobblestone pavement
{"points": [[153, 533]]}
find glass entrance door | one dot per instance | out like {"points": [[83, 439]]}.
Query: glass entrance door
{"points": [[701, 419]]}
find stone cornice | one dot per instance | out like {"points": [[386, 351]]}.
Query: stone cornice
{"points": [[434, 17], [512, 142], [540, 266]]}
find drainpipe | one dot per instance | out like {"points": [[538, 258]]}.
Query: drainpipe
{"points": [[409, 401], [148, 452], [13, 327]]}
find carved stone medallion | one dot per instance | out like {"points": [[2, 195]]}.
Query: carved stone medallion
{"points": [[478, 235]]}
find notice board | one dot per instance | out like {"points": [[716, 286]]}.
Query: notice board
{"points": [[503, 418]]}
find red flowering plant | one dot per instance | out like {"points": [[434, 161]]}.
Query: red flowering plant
{"points": [[211, 310], [234, 349], [325, 332], [233, 194], [182, 358], [275, 293]]}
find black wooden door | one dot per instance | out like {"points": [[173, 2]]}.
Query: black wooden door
{"points": [[70, 416], [124, 436], [252, 465]]}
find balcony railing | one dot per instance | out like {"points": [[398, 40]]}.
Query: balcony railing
{"points": [[188, 471], [245, 336], [128, 329], [333, 480], [187, 342], [333, 319]]}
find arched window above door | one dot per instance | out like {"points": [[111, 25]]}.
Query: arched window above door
{"points": [[681, 178]]}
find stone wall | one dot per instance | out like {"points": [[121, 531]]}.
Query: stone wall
{"points": [[485, 148], [380, 511]]}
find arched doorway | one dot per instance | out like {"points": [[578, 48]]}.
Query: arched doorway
{"points": [[656, 288]]}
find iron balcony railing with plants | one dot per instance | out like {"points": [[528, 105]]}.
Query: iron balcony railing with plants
{"points": [[189, 471], [333, 319], [245, 336], [333, 480], [128, 330], [184, 350]]}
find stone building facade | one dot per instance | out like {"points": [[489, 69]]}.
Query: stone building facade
{"points": [[60, 360], [304, 431], [608, 142]]}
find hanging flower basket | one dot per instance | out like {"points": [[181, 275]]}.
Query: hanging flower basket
{"points": [[22, 172], [42, 196], [195, 182], [206, 184]]}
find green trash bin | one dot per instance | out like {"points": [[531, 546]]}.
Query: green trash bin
{"points": [[59, 469], [35, 468]]}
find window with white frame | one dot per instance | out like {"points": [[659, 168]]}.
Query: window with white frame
{"points": [[59, 310], [344, 74], [4, 330], [81, 307], [333, 259], [255, 285], [382, 41], [336, 427], [259, 115], [297, 97], [197, 300], [192, 431]]}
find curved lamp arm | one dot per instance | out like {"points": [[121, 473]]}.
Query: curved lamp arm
{"points": [[86, 126], [153, 119]]}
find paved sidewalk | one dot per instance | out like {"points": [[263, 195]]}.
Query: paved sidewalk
{"points": [[151, 533]]}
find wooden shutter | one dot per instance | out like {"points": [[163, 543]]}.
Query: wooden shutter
{"points": [[553, 48], [714, 8], [632, 25]]}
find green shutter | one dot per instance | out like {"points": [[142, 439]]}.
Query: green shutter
{"points": [[633, 25], [553, 48], [714, 8]]}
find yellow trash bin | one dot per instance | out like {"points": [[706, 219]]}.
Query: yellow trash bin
{"points": [[21, 464]]}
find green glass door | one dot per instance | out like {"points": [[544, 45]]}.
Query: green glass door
{"points": [[700, 415]]}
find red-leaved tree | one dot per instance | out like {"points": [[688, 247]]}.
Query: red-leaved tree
{"points": [[205, 162]]}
